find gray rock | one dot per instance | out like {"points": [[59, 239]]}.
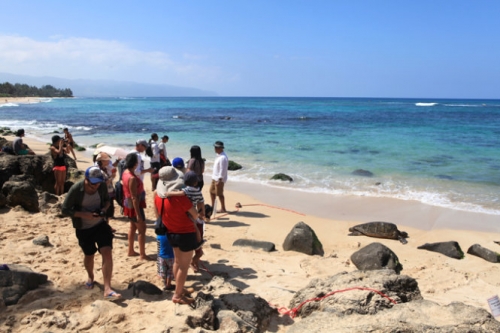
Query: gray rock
{"points": [[204, 314], [282, 176], [363, 173], [252, 309], [21, 193], [18, 280], [376, 256], [255, 244], [419, 316], [232, 166], [482, 252], [229, 322], [303, 239], [47, 201], [450, 249], [3, 200], [400, 288], [144, 287], [42, 240]]}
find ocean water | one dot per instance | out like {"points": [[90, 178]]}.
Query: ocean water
{"points": [[440, 152]]}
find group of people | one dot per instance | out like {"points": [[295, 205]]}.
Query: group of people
{"points": [[179, 206]]}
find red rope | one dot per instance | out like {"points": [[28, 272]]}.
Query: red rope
{"points": [[238, 208], [293, 312], [205, 269]]}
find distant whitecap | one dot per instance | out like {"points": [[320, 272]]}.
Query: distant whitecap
{"points": [[425, 104]]}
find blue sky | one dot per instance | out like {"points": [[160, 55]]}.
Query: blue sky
{"points": [[436, 49]]}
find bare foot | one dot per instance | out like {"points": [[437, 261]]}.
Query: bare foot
{"points": [[133, 254]]}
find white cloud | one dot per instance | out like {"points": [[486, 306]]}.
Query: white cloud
{"points": [[86, 58]]}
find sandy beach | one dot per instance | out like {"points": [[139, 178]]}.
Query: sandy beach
{"points": [[267, 214]]}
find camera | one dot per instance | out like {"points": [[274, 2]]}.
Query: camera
{"points": [[99, 213]]}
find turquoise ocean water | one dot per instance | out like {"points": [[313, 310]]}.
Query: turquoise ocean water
{"points": [[440, 152]]}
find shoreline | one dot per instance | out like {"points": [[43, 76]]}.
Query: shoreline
{"points": [[274, 276], [351, 209]]}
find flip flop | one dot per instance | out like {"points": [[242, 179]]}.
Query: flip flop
{"points": [[113, 296], [183, 300], [171, 287], [89, 285]]}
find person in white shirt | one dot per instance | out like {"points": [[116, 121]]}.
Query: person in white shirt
{"points": [[219, 176], [140, 147], [155, 160], [163, 151]]}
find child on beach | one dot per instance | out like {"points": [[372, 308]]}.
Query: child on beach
{"points": [[194, 194], [165, 262]]}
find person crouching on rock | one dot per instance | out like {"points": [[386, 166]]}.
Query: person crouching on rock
{"points": [[86, 203]]}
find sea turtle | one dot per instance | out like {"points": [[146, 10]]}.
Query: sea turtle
{"points": [[379, 230]]}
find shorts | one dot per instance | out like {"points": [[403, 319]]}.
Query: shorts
{"points": [[217, 190], [165, 268], [156, 166], [23, 152], [100, 234], [143, 215], [185, 242], [59, 168]]}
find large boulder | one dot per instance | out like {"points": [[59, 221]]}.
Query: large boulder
{"points": [[482, 252], [376, 256], [282, 177], [399, 288], [232, 166], [3, 200], [450, 249], [235, 311], [419, 316], [21, 193], [17, 281], [302, 238], [36, 168]]}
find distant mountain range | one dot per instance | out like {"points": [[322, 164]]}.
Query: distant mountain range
{"points": [[107, 88]]}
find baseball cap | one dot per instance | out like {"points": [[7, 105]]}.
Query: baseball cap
{"points": [[142, 142], [94, 175], [178, 162]]}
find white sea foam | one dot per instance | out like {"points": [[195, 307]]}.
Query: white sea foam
{"points": [[8, 105], [45, 100], [426, 104]]}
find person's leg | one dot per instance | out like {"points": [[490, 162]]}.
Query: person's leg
{"points": [[131, 236], [88, 262], [220, 194], [141, 239], [107, 271], [181, 266], [60, 179]]}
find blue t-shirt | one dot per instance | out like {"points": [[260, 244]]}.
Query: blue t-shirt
{"points": [[165, 250]]}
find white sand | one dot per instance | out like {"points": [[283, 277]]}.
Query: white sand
{"points": [[267, 214]]}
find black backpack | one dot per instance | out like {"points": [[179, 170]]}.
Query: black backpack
{"points": [[119, 196]]}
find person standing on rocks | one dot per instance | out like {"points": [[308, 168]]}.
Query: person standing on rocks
{"points": [[219, 176], [86, 203], [68, 139], [58, 152]]}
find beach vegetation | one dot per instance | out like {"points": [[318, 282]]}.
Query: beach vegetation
{"points": [[23, 90]]}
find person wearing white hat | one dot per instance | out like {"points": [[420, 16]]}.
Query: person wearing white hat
{"points": [[182, 233]]}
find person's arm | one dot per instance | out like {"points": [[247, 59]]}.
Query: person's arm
{"points": [[132, 186], [175, 194], [223, 170], [193, 213]]}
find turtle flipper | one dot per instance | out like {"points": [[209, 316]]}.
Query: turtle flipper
{"points": [[355, 233]]}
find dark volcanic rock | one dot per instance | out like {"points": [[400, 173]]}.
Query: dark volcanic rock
{"points": [[18, 280], [282, 176], [363, 173], [303, 239], [450, 249], [482, 252], [21, 193], [259, 245], [233, 166], [376, 256], [3, 200], [400, 288]]}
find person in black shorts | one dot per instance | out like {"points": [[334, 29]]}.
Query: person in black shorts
{"points": [[86, 203]]}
